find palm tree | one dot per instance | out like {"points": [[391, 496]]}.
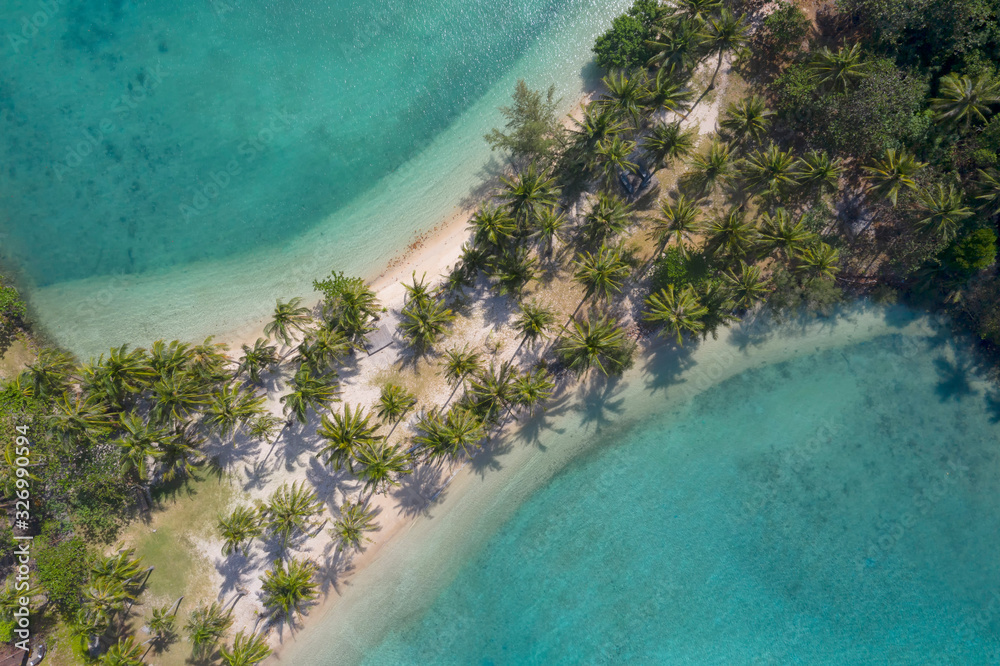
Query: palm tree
{"points": [[394, 403], [284, 590], [261, 357], [598, 124], [377, 463], [626, 95], [105, 598], [120, 378], [78, 416], [178, 454], [601, 274], [344, 433], [771, 171], [459, 363], [680, 312], [679, 218], [988, 192], [51, 372], [595, 342], [532, 321], [666, 142], [748, 285], [513, 270], [612, 159], [247, 650], [527, 194], [548, 229], [943, 211], [816, 172], [126, 652], [699, 10], [838, 69], [966, 99], [168, 359], [819, 260], [122, 567], [309, 391], [892, 173], [352, 310], [263, 427], [679, 45], [716, 296], [779, 232], [238, 529], [711, 169], [288, 317], [229, 407], [207, 362], [455, 435], [609, 216], [492, 226], [419, 293], [138, 444], [350, 527], [732, 235], [206, 626], [533, 388], [726, 32], [175, 396], [290, 510], [665, 93], [746, 122], [423, 325], [161, 626], [491, 390]]}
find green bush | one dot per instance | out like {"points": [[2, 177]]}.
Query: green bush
{"points": [[62, 571], [975, 252], [782, 32], [624, 45], [676, 268]]}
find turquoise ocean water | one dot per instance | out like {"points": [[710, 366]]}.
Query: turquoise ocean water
{"points": [[838, 507], [168, 169]]}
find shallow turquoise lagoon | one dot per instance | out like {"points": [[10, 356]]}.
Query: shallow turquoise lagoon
{"points": [[837, 508], [170, 165]]}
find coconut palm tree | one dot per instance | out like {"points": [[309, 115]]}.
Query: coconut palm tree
{"points": [[724, 32], [748, 285], [247, 650], [892, 173], [162, 626], [717, 299], [548, 229], [376, 464], [711, 169], [126, 652], [699, 10], [175, 397], [527, 194], [679, 45], [770, 171], [138, 443], [988, 192], [602, 274], [598, 125], [608, 217], [817, 172], [612, 159], [51, 372], [263, 427], [322, 348], [286, 589], [394, 403], [779, 232], [167, 359], [664, 92], [179, 454], [679, 219], [344, 433], [513, 270], [259, 358], [732, 235], [229, 407], [746, 122], [122, 567], [626, 95], [667, 142], [353, 309], [943, 211], [533, 388], [680, 311], [423, 325], [460, 363], [78, 416], [838, 69], [308, 391], [419, 293], [291, 510], [492, 226], [288, 317], [208, 362], [118, 379], [456, 434], [206, 626], [352, 523], [595, 342], [532, 321], [492, 390], [239, 528], [819, 261], [966, 99], [105, 598]]}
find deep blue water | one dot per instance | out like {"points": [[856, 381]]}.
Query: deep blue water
{"points": [[839, 508]]}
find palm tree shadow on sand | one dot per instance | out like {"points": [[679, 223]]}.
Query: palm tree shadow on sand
{"points": [[420, 489]]}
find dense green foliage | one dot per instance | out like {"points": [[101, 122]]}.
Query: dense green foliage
{"points": [[624, 45]]}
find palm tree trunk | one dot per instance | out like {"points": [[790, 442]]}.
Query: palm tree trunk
{"points": [[711, 85]]}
